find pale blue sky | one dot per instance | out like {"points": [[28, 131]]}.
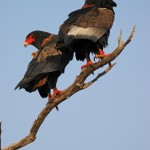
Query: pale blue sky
{"points": [[113, 114]]}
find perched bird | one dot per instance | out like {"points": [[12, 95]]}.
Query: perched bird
{"points": [[87, 30], [46, 66]]}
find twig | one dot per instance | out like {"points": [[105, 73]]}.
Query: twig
{"points": [[75, 87], [98, 76]]}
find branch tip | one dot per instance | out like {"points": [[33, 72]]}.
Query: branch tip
{"points": [[133, 31], [120, 38]]}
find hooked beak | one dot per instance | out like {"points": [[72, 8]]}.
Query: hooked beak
{"points": [[25, 44]]}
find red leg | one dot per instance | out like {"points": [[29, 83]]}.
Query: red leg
{"points": [[49, 96], [55, 92], [89, 62], [101, 54]]}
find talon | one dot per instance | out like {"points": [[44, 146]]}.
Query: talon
{"points": [[50, 98], [56, 92], [101, 54], [95, 58], [89, 62]]}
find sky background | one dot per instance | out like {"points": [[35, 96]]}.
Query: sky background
{"points": [[112, 114]]}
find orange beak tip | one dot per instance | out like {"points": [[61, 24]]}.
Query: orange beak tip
{"points": [[25, 44]]}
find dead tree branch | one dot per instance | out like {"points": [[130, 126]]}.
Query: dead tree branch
{"points": [[86, 85], [75, 87]]}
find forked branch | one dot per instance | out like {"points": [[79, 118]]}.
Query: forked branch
{"points": [[75, 87]]}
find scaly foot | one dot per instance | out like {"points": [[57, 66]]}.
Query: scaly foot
{"points": [[101, 54], [56, 92], [89, 62]]}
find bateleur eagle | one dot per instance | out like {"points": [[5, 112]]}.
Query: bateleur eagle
{"points": [[47, 64], [87, 30]]}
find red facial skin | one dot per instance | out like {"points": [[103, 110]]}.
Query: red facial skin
{"points": [[29, 40]]}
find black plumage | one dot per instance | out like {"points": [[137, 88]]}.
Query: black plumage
{"points": [[46, 66], [87, 29]]}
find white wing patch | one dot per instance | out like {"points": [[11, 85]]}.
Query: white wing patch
{"points": [[90, 33]]}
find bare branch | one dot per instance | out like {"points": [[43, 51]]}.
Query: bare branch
{"points": [[120, 38], [77, 85], [98, 76]]}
